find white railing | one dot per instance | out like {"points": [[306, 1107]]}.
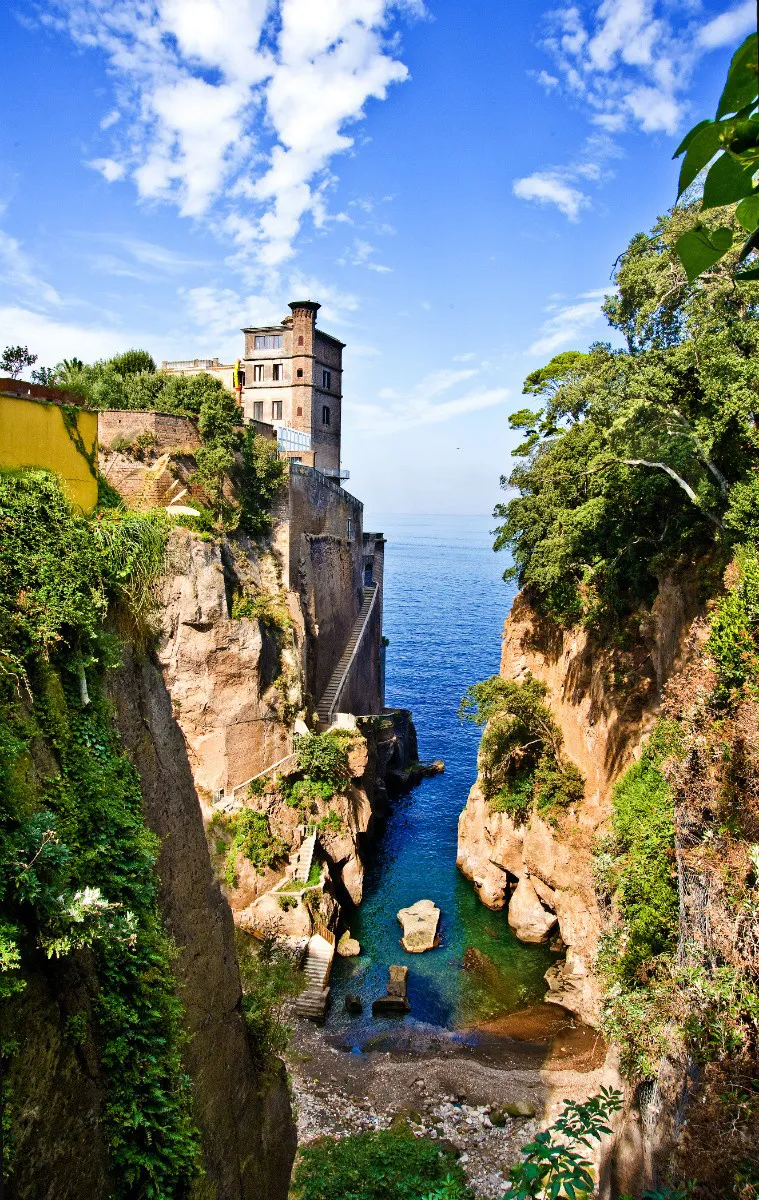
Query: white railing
{"points": [[228, 801], [333, 706]]}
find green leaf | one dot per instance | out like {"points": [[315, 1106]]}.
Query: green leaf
{"points": [[741, 86], [747, 212], [701, 150], [728, 180], [749, 273], [685, 143], [699, 249]]}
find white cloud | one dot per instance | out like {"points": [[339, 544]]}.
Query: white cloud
{"points": [[631, 61], [108, 168], [360, 255], [568, 323], [548, 187], [51, 339], [233, 110], [729, 27], [22, 276], [426, 403]]}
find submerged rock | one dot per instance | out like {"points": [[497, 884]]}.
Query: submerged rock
{"points": [[529, 920], [420, 922], [348, 947], [353, 1004], [396, 1000]]}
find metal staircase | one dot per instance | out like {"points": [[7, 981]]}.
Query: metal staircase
{"points": [[329, 700]]}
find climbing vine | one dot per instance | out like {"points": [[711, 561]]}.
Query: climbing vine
{"points": [[78, 863]]}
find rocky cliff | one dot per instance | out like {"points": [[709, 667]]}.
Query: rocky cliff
{"points": [[240, 1105], [233, 650], [604, 702]]}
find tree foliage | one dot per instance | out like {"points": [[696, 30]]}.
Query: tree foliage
{"points": [[637, 460], [14, 359], [731, 144]]}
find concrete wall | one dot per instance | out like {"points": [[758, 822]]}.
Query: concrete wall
{"points": [[362, 693], [33, 433], [331, 594], [364, 690], [313, 504]]}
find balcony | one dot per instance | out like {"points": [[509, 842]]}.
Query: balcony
{"points": [[292, 439], [332, 473]]}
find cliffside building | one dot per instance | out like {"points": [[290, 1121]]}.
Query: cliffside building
{"points": [[293, 381], [291, 378]]}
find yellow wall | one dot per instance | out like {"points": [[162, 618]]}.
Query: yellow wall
{"points": [[33, 434]]}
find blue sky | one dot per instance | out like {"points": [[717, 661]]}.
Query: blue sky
{"points": [[453, 181]]}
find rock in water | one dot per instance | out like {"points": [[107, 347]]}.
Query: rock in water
{"points": [[395, 1001], [353, 1004], [420, 923], [529, 920], [348, 947]]}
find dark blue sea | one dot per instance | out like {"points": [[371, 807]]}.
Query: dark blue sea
{"points": [[445, 604]]}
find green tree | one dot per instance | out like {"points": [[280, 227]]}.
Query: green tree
{"points": [[15, 359], [133, 362], [638, 458]]}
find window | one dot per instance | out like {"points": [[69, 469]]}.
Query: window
{"points": [[240, 377], [300, 340], [300, 372], [277, 372], [258, 373], [300, 412], [327, 380], [258, 410], [350, 530], [276, 410], [268, 341], [325, 414]]}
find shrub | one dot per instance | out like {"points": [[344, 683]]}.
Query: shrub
{"points": [[270, 980], [520, 759], [323, 758], [251, 837], [734, 634], [269, 610], [389, 1164]]}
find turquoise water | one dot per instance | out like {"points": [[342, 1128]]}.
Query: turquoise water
{"points": [[445, 603]]}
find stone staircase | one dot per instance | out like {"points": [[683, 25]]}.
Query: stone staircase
{"points": [[334, 687], [317, 964], [302, 859]]}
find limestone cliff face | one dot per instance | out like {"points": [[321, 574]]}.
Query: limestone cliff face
{"points": [[231, 680], [240, 1107], [605, 703], [236, 684], [242, 1110]]}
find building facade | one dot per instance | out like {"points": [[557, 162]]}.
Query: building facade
{"points": [[293, 380]]}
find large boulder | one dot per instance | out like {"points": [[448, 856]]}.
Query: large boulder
{"points": [[420, 922], [529, 919], [348, 947]]}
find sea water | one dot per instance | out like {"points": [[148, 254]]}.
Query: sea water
{"points": [[445, 603]]}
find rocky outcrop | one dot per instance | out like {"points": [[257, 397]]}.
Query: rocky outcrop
{"points": [[419, 923], [603, 724], [529, 919]]}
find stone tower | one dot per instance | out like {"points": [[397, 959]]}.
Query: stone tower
{"points": [[293, 381]]}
